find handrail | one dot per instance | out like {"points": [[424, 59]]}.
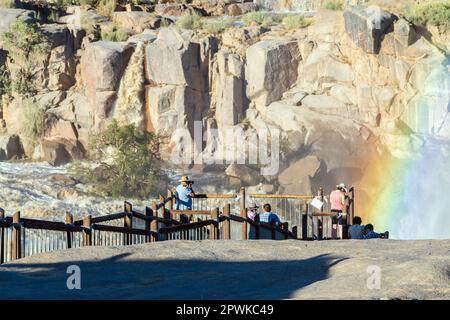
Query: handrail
{"points": [[260, 224], [281, 196], [102, 227], [187, 226], [215, 196]]}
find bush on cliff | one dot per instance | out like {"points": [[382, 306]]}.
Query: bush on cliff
{"points": [[114, 33], [33, 124], [26, 46], [436, 13], [190, 21], [334, 5], [129, 163], [296, 21], [266, 19]]}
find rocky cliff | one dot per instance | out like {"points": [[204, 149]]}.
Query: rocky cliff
{"points": [[346, 93]]}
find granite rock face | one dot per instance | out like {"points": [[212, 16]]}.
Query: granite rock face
{"points": [[367, 25]]}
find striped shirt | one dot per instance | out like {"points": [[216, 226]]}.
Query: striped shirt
{"points": [[269, 217]]}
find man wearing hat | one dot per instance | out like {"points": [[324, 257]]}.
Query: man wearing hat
{"points": [[184, 194], [252, 211], [337, 201]]}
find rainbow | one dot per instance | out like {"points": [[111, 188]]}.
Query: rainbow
{"points": [[409, 195]]}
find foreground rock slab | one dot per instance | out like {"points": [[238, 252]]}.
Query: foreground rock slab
{"points": [[232, 270]]}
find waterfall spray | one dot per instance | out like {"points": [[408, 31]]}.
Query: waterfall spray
{"points": [[129, 107]]}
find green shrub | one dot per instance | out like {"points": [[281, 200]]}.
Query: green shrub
{"points": [[296, 21], [436, 13], [134, 167], [5, 81], [218, 26], [190, 21], [334, 5], [33, 124], [263, 18], [114, 33], [26, 46], [106, 7]]}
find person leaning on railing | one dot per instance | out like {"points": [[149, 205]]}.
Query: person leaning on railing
{"points": [[337, 200], [184, 194], [268, 216]]}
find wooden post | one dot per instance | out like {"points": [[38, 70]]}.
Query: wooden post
{"points": [[87, 231], [243, 213], [320, 219], [154, 223], [285, 227], [213, 228], [226, 225], [295, 231], [171, 196], [305, 224], [148, 214], [16, 239], [2, 238], [257, 227], [128, 223], [242, 199], [69, 221], [162, 209]]}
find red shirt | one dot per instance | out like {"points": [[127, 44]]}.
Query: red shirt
{"points": [[337, 200]]}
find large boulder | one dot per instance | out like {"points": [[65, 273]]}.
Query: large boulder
{"points": [[60, 151], [228, 98], [271, 70], [366, 26], [170, 107], [137, 21], [103, 64], [11, 147], [174, 59], [246, 175], [296, 179]]}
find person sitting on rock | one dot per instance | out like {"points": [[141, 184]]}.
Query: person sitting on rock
{"points": [[252, 211], [184, 194], [356, 230], [369, 233], [268, 216]]}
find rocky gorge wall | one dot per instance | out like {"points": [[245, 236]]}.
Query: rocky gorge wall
{"points": [[349, 93]]}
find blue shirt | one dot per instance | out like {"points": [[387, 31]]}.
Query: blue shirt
{"points": [[184, 200], [371, 235], [269, 217]]}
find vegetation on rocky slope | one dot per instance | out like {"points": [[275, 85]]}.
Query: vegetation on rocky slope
{"points": [[436, 13], [25, 44], [129, 163]]}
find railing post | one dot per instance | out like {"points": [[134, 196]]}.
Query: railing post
{"points": [[69, 221], [213, 228], [162, 209], [128, 222], [305, 224], [87, 230], [2, 238], [295, 231], [285, 227], [226, 225], [148, 224], [16, 239], [320, 218], [170, 195], [243, 213], [154, 223], [257, 227]]}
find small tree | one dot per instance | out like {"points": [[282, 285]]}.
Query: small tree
{"points": [[129, 162], [25, 43]]}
